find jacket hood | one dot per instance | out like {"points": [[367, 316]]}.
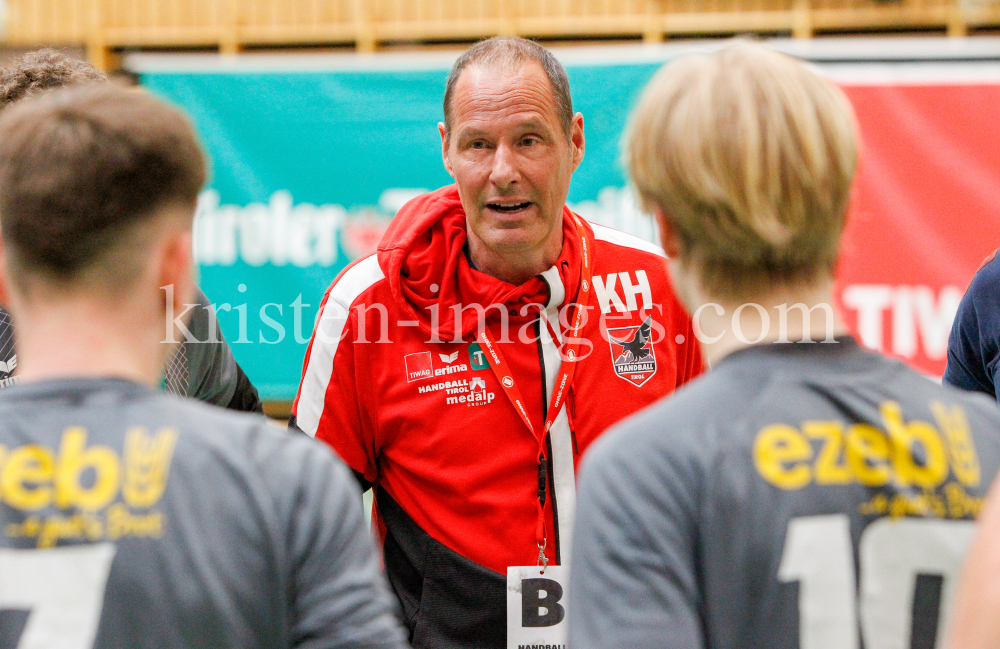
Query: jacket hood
{"points": [[423, 257]]}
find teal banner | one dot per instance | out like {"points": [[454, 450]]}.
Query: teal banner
{"points": [[310, 165]]}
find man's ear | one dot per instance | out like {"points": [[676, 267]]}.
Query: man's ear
{"points": [[444, 149], [176, 269], [577, 140], [668, 234]]}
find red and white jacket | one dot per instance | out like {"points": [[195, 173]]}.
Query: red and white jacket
{"points": [[398, 387]]}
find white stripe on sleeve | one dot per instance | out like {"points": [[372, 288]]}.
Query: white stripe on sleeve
{"points": [[326, 339], [604, 233]]}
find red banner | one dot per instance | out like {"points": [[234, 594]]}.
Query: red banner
{"points": [[925, 214]]}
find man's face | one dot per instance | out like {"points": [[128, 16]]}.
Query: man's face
{"points": [[510, 158]]}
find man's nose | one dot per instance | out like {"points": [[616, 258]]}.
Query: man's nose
{"points": [[504, 172]]}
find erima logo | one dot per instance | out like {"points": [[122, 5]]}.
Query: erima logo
{"points": [[632, 352], [451, 369], [448, 358], [9, 365]]}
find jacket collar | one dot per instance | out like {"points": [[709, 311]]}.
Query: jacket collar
{"points": [[422, 256]]}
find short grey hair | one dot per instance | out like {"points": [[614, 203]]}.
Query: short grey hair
{"points": [[510, 53]]}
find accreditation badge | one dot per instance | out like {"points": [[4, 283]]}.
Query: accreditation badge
{"points": [[536, 606]]}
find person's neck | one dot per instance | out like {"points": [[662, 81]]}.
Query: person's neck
{"points": [[724, 333], [513, 267], [79, 338]]}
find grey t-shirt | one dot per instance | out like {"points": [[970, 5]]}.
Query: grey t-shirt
{"points": [[815, 496], [132, 518]]}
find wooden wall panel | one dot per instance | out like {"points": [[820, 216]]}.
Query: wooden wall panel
{"points": [[232, 24]]}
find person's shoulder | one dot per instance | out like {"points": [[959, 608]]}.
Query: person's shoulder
{"points": [[985, 285], [921, 392], [199, 421], [679, 428], [624, 243], [241, 439], [356, 280], [982, 405]]}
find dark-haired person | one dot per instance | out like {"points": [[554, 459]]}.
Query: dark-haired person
{"points": [[807, 493], [204, 370], [131, 518], [974, 342], [489, 310]]}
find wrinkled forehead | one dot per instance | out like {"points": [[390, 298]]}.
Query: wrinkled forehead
{"points": [[486, 93]]}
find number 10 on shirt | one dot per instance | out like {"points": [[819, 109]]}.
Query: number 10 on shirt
{"points": [[908, 565]]}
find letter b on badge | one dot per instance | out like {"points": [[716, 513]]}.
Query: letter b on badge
{"points": [[540, 603], [536, 606]]}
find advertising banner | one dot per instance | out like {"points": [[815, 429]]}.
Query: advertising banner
{"points": [[312, 156], [926, 213]]}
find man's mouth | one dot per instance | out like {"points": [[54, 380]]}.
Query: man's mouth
{"points": [[508, 208]]}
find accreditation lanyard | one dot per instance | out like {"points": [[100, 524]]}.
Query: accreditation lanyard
{"points": [[566, 371]]}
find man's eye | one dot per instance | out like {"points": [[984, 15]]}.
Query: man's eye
{"points": [[529, 141], [478, 144]]}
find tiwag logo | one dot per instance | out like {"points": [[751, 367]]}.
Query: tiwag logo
{"points": [[632, 352], [418, 366]]}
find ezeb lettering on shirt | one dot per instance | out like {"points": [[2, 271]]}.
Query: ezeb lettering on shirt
{"points": [[108, 495]]}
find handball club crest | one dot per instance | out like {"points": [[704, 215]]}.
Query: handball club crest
{"points": [[632, 352]]}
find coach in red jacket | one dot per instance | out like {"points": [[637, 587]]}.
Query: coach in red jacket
{"points": [[464, 368]]}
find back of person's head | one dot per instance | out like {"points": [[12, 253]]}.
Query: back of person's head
{"points": [[750, 156], [42, 70], [86, 175], [509, 54]]}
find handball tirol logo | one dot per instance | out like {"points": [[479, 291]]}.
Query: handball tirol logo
{"points": [[507, 381], [632, 352]]}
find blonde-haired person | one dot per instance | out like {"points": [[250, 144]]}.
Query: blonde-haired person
{"points": [[799, 494]]}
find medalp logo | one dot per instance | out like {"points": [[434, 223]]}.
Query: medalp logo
{"points": [[632, 352], [471, 393], [418, 366]]}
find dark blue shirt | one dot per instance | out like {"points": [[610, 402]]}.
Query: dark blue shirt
{"points": [[974, 342]]}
